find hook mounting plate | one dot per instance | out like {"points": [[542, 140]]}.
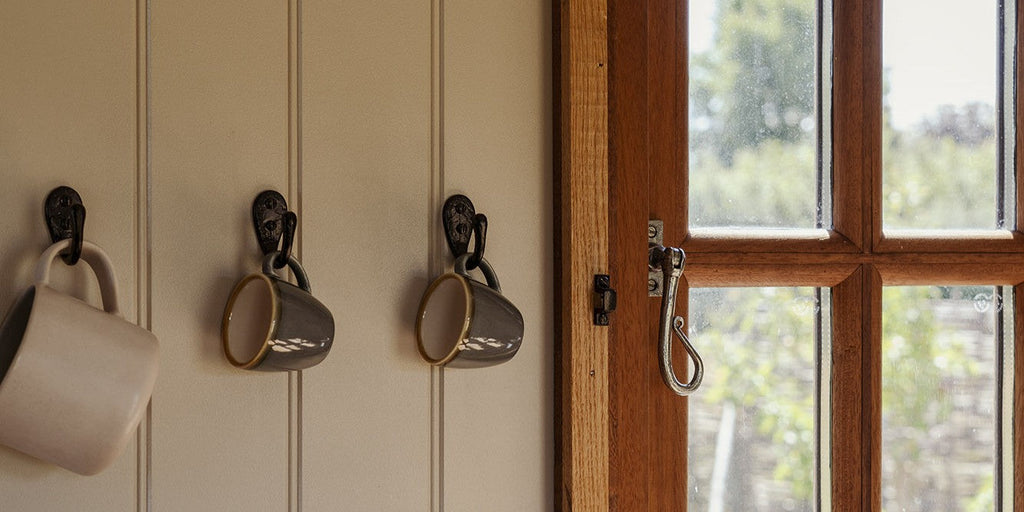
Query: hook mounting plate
{"points": [[65, 218], [57, 209], [268, 210], [458, 215]]}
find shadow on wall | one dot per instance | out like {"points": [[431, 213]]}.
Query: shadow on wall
{"points": [[26, 468], [405, 343], [17, 271], [247, 260], [18, 274]]}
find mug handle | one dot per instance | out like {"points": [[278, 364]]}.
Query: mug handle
{"points": [[97, 260], [300, 274], [485, 269]]}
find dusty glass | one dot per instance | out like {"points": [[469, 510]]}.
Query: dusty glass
{"points": [[942, 163], [753, 115], [941, 398], [755, 423]]}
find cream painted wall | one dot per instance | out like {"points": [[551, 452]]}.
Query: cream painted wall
{"points": [[170, 116]]}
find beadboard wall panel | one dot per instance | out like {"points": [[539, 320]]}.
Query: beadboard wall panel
{"points": [[366, 114], [219, 132], [498, 444], [67, 117], [365, 179]]}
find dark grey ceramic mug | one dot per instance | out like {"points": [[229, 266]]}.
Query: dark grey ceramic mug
{"points": [[272, 325], [463, 323]]}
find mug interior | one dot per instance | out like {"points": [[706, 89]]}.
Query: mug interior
{"points": [[13, 330], [250, 320], [444, 317]]}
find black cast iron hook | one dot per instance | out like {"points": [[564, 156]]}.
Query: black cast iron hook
{"points": [[460, 222], [274, 225], [480, 239], [65, 218], [290, 221]]}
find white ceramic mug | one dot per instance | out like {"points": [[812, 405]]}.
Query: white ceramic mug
{"points": [[74, 380]]}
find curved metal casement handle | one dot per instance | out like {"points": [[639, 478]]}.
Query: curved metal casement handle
{"points": [[671, 261]]}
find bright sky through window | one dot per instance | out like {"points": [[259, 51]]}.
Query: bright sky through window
{"points": [[921, 75]]}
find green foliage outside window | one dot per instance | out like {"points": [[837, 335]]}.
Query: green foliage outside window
{"points": [[752, 163]]}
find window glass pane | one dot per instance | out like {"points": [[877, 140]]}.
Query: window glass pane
{"points": [[753, 425], [941, 102], [752, 114], [940, 351]]}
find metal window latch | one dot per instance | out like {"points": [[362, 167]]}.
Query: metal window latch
{"points": [[655, 237], [604, 299], [669, 262]]}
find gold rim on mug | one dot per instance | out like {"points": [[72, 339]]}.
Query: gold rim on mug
{"points": [[468, 290], [275, 314]]}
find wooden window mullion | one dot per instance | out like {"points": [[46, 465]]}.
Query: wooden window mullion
{"points": [[847, 406], [856, 118], [871, 396]]}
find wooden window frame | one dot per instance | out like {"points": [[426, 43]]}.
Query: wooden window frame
{"points": [[620, 148]]}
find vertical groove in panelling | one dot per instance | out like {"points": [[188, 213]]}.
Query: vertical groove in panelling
{"points": [[496, 101], [295, 202], [219, 109], [295, 441], [437, 439], [435, 253], [295, 116], [143, 242], [366, 162]]}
